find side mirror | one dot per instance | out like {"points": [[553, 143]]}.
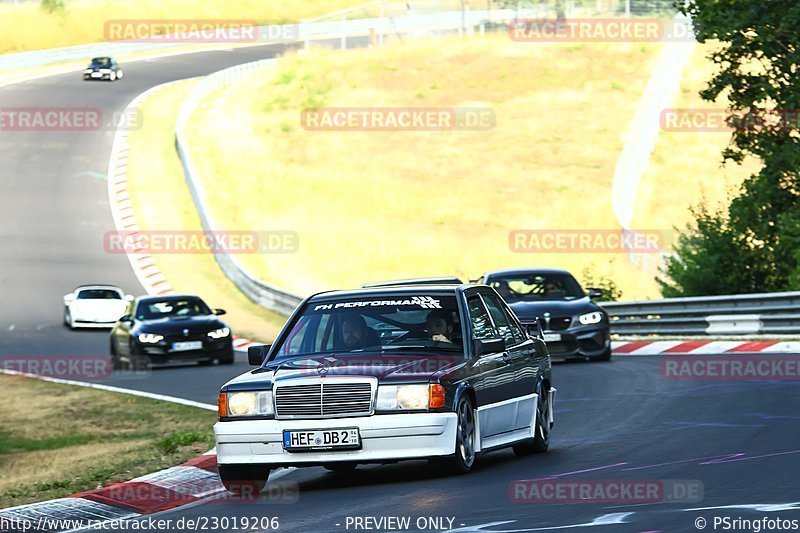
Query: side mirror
{"points": [[595, 292], [125, 318], [68, 298], [129, 297], [484, 346], [257, 354], [219, 311]]}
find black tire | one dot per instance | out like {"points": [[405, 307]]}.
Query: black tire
{"points": [[605, 356], [67, 319], [244, 480], [541, 441], [138, 361], [228, 358], [341, 468], [464, 459]]}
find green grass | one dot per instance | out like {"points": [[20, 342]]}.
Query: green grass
{"points": [[58, 440]]}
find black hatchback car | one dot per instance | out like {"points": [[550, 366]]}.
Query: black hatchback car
{"points": [[573, 325], [167, 329], [103, 68], [378, 375]]}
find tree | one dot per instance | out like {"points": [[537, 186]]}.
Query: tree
{"points": [[757, 62]]}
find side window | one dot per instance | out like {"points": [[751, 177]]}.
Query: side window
{"points": [[519, 334], [294, 340], [500, 319], [479, 319]]}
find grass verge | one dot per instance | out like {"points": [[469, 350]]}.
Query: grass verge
{"points": [[373, 205], [161, 201], [57, 440], [28, 26]]}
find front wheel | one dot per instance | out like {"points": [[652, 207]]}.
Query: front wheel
{"points": [[463, 460], [68, 319], [244, 480], [112, 76], [605, 356]]}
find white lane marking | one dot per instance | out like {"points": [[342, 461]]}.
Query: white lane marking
{"points": [[110, 388], [604, 520], [763, 507]]}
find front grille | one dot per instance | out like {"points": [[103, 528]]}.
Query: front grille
{"points": [[327, 399], [559, 323]]}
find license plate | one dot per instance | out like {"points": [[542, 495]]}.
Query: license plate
{"points": [[322, 439], [97, 74], [552, 337], [187, 345]]}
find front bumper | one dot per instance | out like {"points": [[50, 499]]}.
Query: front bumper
{"points": [[384, 438], [579, 342], [161, 353], [89, 323]]}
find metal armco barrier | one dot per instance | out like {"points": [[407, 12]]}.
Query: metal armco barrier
{"points": [[745, 314]]}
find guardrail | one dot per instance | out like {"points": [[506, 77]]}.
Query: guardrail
{"points": [[745, 314]]}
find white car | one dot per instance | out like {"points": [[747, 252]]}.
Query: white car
{"points": [[95, 306]]}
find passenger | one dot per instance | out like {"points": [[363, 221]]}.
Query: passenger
{"points": [[439, 324]]}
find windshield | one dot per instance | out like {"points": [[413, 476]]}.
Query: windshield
{"points": [[533, 286], [101, 61], [99, 294], [171, 307], [375, 323]]}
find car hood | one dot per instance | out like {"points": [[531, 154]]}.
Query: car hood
{"points": [[195, 324], [385, 367], [528, 311]]}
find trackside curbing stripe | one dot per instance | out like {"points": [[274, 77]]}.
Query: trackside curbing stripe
{"points": [[700, 347]]}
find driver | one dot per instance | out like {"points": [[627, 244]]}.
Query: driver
{"points": [[356, 334], [439, 324]]}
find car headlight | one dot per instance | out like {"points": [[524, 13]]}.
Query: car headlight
{"points": [[591, 318], [220, 333], [257, 403], [150, 338], [409, 397], [88, 71]]}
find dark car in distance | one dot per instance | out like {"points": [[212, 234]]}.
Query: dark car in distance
{"points": [[103, 68], [574, 326], [168, 329], [379, 375]]}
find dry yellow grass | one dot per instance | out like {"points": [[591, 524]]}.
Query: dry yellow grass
{"points": [[161, 201], [29, 27], [376, 205], [687, 166], [56, 440]]}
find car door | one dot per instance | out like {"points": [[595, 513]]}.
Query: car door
{"points": [[523, 354], [494, 389]]}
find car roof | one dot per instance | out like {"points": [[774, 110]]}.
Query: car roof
{"points": [[520, 271], [100, 57], [442, 280], [410, 290], [151, 297]]}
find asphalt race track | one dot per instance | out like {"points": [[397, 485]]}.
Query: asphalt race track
{"points": [[618, 420]]}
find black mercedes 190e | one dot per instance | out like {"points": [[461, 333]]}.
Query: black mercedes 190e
{"points": [[379, 375]]}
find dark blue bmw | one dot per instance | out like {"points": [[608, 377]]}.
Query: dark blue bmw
{"points": [[573, 325]]}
